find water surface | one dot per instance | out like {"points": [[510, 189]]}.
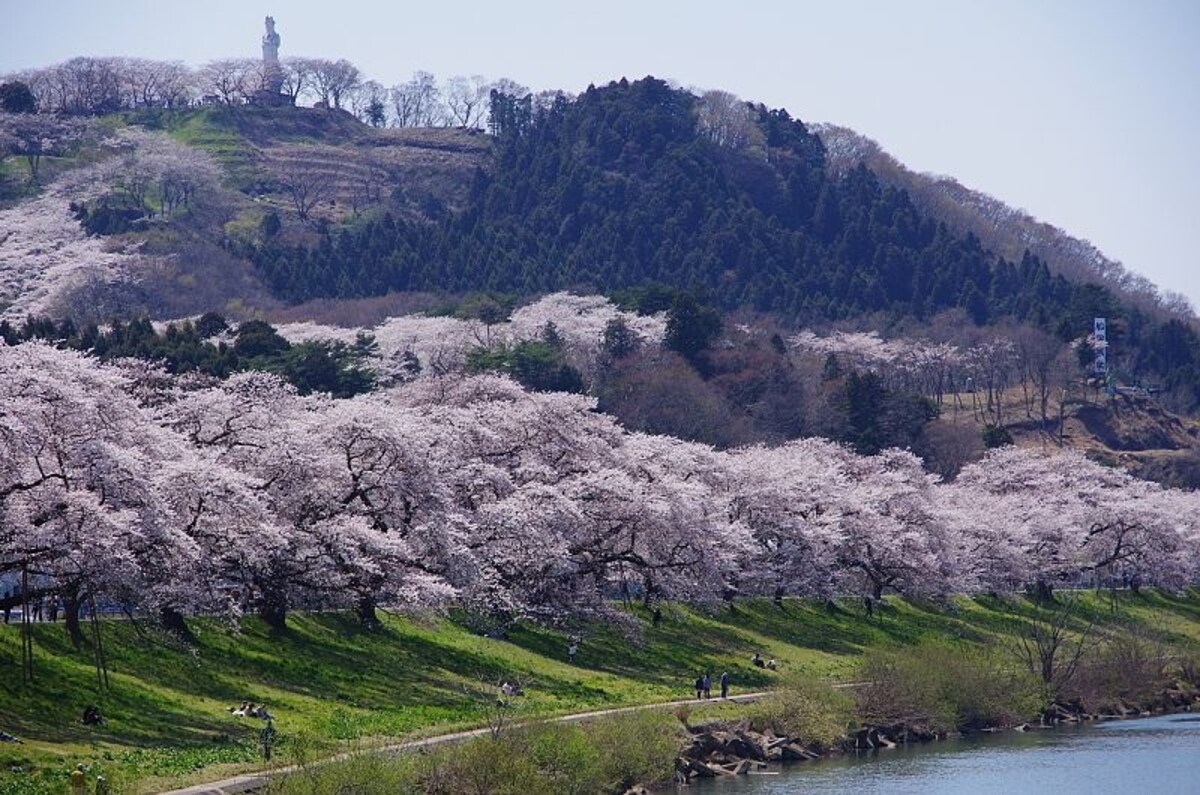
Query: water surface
{"points": [[1158, 755]]}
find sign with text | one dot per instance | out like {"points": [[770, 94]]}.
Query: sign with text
{"points": [[1100, 344]]}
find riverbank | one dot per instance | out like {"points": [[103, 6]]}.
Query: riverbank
{"points": [[1157, 754], [735, 748], [334, 687]]}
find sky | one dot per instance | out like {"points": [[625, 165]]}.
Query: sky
{"points": [[1081, 112]]}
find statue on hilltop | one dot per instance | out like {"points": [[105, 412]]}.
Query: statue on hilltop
{"points": [[270, 43], [271, 93]]}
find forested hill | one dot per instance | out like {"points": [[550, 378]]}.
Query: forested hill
{"points": [[638, 182]]}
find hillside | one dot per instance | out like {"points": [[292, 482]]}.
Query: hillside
{"points": [[1003, 229], [332, 686], [309, 214]]}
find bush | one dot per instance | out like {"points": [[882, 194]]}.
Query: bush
{"points": [[811, 712], [944, 688], [606, 756], [638, 748], [363, 774], [1127, 669], [996, 436]]}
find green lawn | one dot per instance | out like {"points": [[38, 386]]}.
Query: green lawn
{"points": [[332, 685]]}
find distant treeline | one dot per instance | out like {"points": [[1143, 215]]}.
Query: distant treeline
{"points": [[188, 347]]}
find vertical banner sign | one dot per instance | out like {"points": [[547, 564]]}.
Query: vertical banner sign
{"points": [[1100, 343]]}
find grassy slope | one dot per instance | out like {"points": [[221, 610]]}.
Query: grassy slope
{"points": [[328, 683]]}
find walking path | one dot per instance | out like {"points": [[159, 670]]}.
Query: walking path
{"points": [[251, 782]]}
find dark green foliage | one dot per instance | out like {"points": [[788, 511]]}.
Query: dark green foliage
{"points": [[691, 327], [211, 324], [15, 97], [619, 339], [331, 367], [259, 338], [106, 218], [376, 113], [996, 436], [616, 190], [876, 418], [509, 115], [537, 364], [646, 299], [270, 225]]}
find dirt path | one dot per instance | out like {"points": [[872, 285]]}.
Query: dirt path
{"points": [[252, 782]]}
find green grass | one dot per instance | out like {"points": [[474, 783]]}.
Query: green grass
{"points": [[209, 130], [332, 685]]}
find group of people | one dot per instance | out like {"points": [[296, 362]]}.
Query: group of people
{"points": [[79, 784], [704, 685], [758, 662], [248, 709], [40, 609]]}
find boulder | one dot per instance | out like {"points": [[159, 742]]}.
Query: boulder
{"points": [[745, 748]]}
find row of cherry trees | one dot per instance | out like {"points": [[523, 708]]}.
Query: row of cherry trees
{"points": [[182, 496]]}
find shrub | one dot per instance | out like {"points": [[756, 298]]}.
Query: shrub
{"points": [[606, 756], [810, 712], [1128, 668], [943, 688], [637, 748]]}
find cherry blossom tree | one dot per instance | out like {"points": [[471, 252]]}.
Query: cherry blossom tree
{"points": [[79, 510]]}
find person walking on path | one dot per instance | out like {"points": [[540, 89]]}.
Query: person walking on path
{"points": [[725, 684], [700, 687], [707, 685]]}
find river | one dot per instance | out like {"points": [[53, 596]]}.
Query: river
{"points": [[1159, 755]]}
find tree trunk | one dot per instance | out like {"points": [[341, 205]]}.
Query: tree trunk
{"points": [[273, 609], [1043, 591], [72, 604], [174, 623], [365, 608]]}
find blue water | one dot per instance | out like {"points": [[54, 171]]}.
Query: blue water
{"points": [[1159, 756]]}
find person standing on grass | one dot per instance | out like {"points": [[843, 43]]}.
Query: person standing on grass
{"points": [[725, 684], [572, 650]]}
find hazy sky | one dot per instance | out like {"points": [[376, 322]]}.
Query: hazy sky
{"points": [[1082, 112]]}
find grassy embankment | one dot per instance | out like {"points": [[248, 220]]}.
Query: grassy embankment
{"points": [[333, 686]]}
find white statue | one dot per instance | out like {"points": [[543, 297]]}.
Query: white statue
{"points": [[270, 43]]}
